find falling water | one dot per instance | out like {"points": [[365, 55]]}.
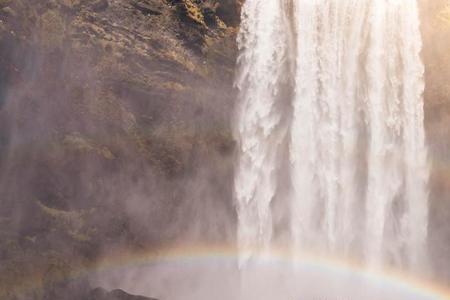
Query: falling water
{"points": [[265, 42], [330, 125]]}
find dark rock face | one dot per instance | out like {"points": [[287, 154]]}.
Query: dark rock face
{"points": [[101, 294]]}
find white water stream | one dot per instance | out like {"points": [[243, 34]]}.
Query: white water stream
{"points": [[332, 155]]}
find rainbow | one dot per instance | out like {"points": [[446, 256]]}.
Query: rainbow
{"points": [[199, 253]]}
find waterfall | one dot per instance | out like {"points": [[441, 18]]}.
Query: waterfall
{"points": [[330, 125], [264, 42]]}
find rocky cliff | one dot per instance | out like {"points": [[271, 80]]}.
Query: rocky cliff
{"points": [[111, 114]]}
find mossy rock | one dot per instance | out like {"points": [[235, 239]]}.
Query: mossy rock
{"points": [[191, 11]]}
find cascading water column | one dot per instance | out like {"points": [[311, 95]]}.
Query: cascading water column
{"points": [[353, 125], [324, 131], [417, 170], [263, 43], [396, 208]]}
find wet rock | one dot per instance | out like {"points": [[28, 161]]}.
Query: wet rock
{"points": [[100, 5], [9, 11], [102, 294], [70, 4], [147, 8], [209, 16]]}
